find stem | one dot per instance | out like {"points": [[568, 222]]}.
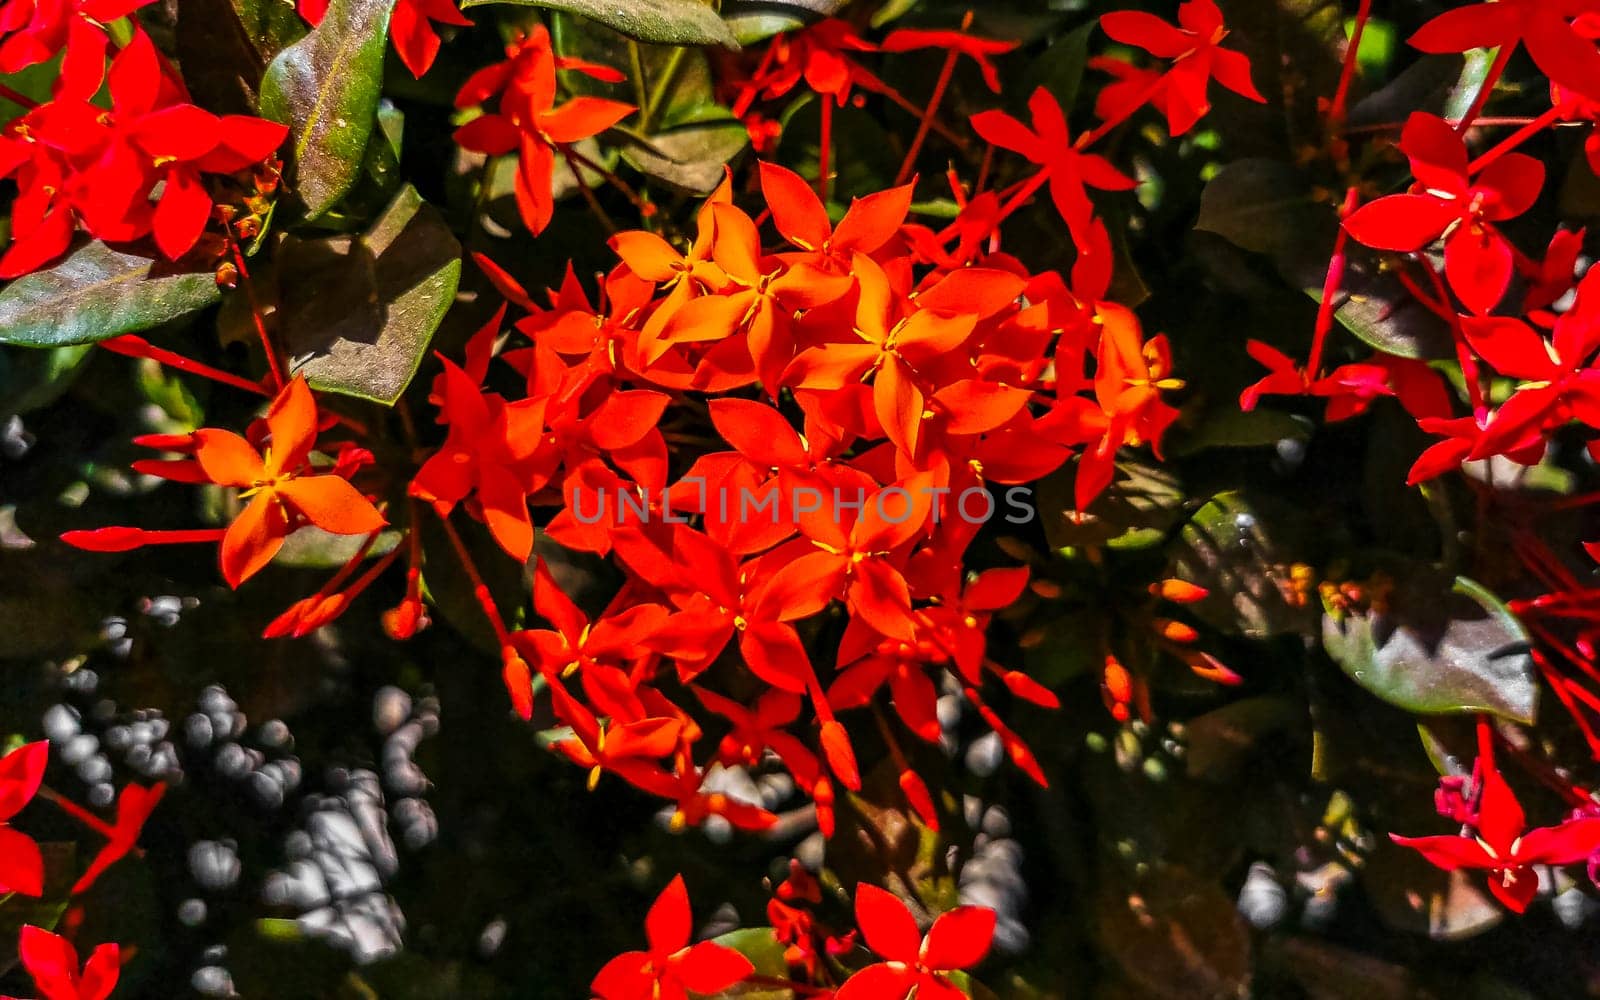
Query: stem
{"points": [[480, 590], [77, 812], [658, 93], [636, 63], [1326, 309], [17, 98], [583, 188], [1502, 56], [273, 364], [1516, 139], [1469, 364], [825, 148], [877, 86], [627, 190], [131, 346], [939, 88], [1106, 127], [1341, 96]]}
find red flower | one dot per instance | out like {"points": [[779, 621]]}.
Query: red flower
{"points": [[411, 29], [285, 490], [1447, 199], [21, 865], [1540, 26], [53, 964], [158, 138], [1049, 144], [977, 49], [527, 120], [489, 453], [1502, 844], [819, 56], [672, 968], [133, 808], [1195, 44], [1349, 389], [959, 939], [1560, 384]]}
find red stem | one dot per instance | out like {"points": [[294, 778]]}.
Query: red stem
{"points": [[939, 88], [1469, 364], [1341, 96], [273, 364], [20, 99], [1516, 139], [480, 590], [1326, 310], [131, 346], [77, 812], [823, 152]]}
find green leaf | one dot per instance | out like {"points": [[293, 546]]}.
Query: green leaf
{"points": [[1438, 644], [1228, 426], [689, 157], [762, 947], [96, 293], [1060, 69], [1237, 547], [754, 21], [33, 379], [224, 47], [1267, 207], [674, 22], [313, 548], [358, 312], [1136, 511], [325, 87], [1427, 84]]}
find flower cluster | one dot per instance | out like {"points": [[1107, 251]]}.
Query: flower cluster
{"points": [[81, 166]]}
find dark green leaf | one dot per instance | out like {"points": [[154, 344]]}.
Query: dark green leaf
{"points": [[1060, 69], [762, 947], [1236, 546], [1136, 510], [96, 293], [1266, 207], [32, 379], [1426, 85], [312, 548], [325, 88], [674, 22], [1439, 644], [754, 21], [689, 157], [224, 47], [1227, 426], [358, 312]]}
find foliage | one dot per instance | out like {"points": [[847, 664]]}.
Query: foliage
{"points": [[798, 498]]}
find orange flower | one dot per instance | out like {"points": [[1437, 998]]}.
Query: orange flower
{"points": [[284, 493]]}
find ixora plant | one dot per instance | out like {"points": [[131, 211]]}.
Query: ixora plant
{"points": [[851, 463]]}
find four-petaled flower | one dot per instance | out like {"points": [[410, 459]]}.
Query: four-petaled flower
{"points": [[283, 488], [53, 963], [1195, 45], [21, 865], [958, 939], [1503, 845], [672, 968], [1448, 201]]}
